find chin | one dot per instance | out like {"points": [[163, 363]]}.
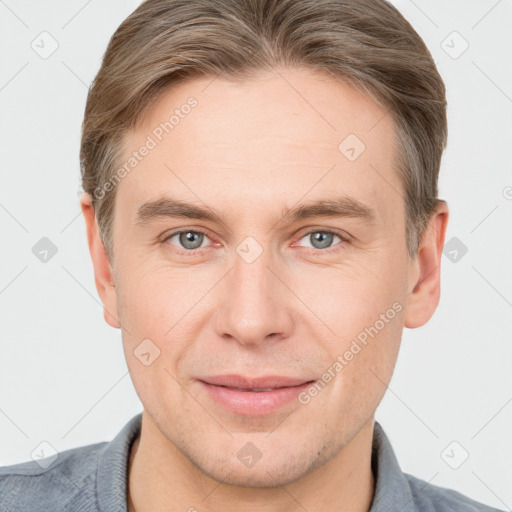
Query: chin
{"points": [[268, 472], [262, 477]]}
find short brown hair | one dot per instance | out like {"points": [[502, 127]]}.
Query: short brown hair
{"points": [[365, 42]]}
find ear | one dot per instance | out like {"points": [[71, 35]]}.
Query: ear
{"points": [[425, 271], [103, 273]]}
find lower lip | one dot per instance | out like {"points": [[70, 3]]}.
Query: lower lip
{"points": [[253, 403]]}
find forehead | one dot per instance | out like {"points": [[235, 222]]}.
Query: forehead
{"points": [[266, 141]]}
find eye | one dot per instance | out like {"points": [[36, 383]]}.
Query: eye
{"points": [[187, 241], [322, 240]]}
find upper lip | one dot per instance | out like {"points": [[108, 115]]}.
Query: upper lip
{"points": [[264, 382]]}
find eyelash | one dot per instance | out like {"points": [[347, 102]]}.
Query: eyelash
{"points": [[200, 250]]}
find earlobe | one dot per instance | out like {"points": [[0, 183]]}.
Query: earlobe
{"points": [[423, 299], [103, 273]]}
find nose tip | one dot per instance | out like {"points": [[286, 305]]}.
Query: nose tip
{"points": [[254, 308]]}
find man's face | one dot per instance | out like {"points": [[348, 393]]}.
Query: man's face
{"points": [[257, 293]]}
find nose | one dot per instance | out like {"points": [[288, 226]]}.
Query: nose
{"points": [[255, 305]]}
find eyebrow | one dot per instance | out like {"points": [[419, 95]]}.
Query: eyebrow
{"points": [[168, 207]]}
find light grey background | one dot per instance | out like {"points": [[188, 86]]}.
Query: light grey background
{"points": [[63, 377]]}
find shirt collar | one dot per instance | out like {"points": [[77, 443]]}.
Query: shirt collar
{"points": [[112, 477], [392, 491]]}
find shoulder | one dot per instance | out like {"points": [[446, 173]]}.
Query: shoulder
{"points": [[432, 498], [66, 482], [397, 490]]}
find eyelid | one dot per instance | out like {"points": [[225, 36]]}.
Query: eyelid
{"points": [[167, 234], [318, 229]]}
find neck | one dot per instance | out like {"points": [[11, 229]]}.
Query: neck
{"points": [[161, 478]]}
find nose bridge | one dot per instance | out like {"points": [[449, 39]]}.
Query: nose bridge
{"points": [[254, 306]]}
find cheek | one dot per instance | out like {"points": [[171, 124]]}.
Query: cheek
{"points": [[349, 298], [158, 313], [150, 306], [362, 316], [152, 298]]}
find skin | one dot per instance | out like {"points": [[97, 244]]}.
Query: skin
{"points": [[248, 151]]}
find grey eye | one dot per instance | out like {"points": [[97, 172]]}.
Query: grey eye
{"points": [[321, 239], [190, 239]]}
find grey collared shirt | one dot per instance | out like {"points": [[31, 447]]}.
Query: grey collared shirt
{"points": [[93, 478]]}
